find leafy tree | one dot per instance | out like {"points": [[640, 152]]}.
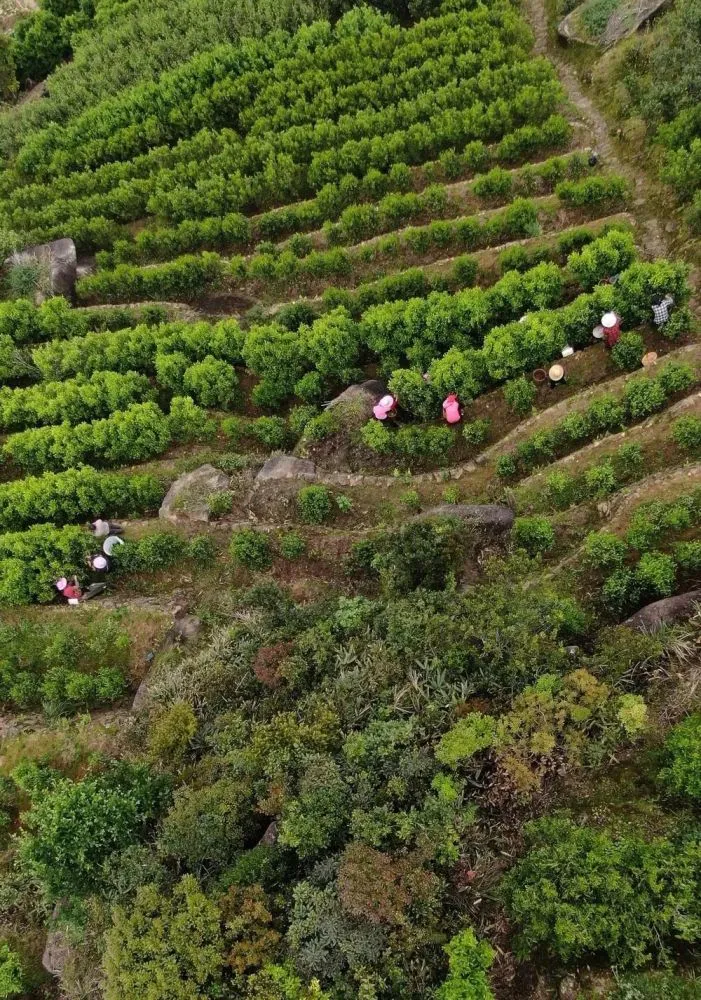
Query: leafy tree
{"points": [[12, 980], [165, 947], [681, 756], [72, 828], [468, 962], [578, 891]]}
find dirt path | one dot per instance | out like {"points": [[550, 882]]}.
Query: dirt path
{"points": [[652, 236]]}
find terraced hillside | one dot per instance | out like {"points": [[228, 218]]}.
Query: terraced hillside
{"points": [[403, 726]]}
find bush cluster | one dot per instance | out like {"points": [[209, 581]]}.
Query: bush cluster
{"points": [[641, 396], [578, 892], [137, 433], [74, 400], [54, 319], [63, 667], [183, 278], [76, 495]]}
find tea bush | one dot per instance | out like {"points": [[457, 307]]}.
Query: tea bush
{"points": [[314, 504], [252, 549], [686, 432], [627, 353], [534, 534], [520, 395]]}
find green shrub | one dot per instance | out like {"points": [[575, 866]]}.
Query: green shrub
{"points": [[561, 489], [534, 534], [520, 395], [476, 432], [498, 183], [219, 504], [314, 504], [600, 480], [74, 826], [344, 503], [686, 432], [299, 417], [252, 549], [644, 396], [656, 573], [681, 759], [12, 979], [676, 376], [465, 270], [270, 431], [377, 437], [322, 426], [679, 324], [628, 460], [292, 545], [411, 499], [468, 963], [506, 466], [414, 393], [451, 494], [159, 938], [211, 382], [578, 892], [417, 555], [423, 442], [202, 550], [655, 986], [604, 550], [628, 352], [621, 591]]}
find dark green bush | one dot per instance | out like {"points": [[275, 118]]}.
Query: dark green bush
{"points": [[604, 550], [681, 759], [476, 432], [314, 504], [506, 466], [628, 352], [211, 382], [292, 545], [578, 892], [686, 432], [270, 431], [252, 549], [534, 534], [520, 395]]}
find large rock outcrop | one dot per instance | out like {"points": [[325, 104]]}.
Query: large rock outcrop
{"points": [[286, 467], [59, 262], [665, 612], [187, 499], [491, 516], [361, 397]]}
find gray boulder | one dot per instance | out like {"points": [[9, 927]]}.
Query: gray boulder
{"points": [[361, 396], [665, 612], [286, 467], [494, 516], [59, 261], [57, 950], [186, 500]]}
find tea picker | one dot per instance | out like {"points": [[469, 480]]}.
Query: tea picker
{"points": [[452, 413]]}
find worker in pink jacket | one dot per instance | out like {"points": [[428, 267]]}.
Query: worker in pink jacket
{"points": [[451, 409]]}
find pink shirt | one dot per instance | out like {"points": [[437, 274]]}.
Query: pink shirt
{"points": [[451, 410]]}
